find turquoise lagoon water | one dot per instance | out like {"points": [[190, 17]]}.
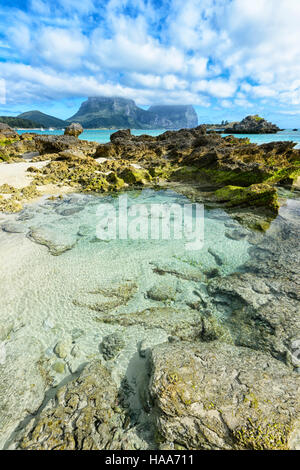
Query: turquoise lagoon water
{"points": [[103, 136]]}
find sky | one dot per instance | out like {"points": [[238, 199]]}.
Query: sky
{"points": [[228, 58]]}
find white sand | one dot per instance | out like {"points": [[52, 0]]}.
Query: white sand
{"points": [[15, 174]]}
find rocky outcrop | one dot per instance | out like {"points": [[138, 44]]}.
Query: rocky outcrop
{"points": [[253, 125], [86, 416], [74, 129], [218, 396], [191, 155], [115, 112], [261, 302]]}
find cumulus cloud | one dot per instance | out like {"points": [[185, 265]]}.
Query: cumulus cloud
{"points": [[229, 54]]}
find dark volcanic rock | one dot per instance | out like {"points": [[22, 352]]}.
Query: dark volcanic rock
{"points": [[253, 125]]}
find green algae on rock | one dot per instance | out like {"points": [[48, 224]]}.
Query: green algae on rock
{"points": [[254, 195], [218, 396]]}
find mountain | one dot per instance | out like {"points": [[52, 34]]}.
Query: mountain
{"points": [[19, 123], [44, 120], [115, 113], [177, 116]]}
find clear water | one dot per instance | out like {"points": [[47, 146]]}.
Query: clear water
{"points": [[46, 299], [103, 136]]}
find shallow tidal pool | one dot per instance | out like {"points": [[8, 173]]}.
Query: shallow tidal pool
{"points": [[64, 291]]}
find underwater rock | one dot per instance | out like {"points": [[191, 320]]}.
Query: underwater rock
{"points": [[59, 367], [69, 210], [236, 235], [162, 292], [12, 227], [179, 269], [63, 348], [23, 384], [219, 396], [111, 345], [184, 324], [56, 240], [107, 299], [261, 303]]}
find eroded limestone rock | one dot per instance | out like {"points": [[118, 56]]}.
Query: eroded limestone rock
{"points": [[218, 396]]}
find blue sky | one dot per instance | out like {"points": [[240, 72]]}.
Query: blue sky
{"points": [[229, 58]]}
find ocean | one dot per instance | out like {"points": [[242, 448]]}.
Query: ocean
{"points": [[102, 136]]}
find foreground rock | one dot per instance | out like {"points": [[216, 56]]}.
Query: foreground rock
{"points": [[253, 125], [218, 396], [88, 413], [260, 305], [83, 418]]}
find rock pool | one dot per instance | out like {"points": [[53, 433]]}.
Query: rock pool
{"points": [[68, 298]]}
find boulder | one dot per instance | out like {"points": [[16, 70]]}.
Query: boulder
{"points": [[219, 396], [74, 129]]}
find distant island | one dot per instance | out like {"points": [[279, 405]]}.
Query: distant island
{"points": [[112, 113], [18, 122], [123, 113], [44, 120], [116, 113]]}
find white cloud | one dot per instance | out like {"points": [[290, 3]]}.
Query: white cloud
{"points": [[61, 47], [230, 53], [218, 88]]}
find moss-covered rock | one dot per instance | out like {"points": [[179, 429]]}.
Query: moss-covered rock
{"points": [[138, 176], [219, 396], [255, 195]]}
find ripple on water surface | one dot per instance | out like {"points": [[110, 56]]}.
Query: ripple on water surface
{"points": [[61, 285]]}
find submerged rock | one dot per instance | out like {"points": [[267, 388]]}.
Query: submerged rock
{"points": [[162, 292], [23, 384], [218, 396], [12, 227], [56, 241], [183, 324], [111, 345], [260, 305]]}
